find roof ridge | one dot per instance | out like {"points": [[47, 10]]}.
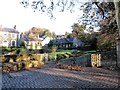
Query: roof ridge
{"points": [[5, 29]]}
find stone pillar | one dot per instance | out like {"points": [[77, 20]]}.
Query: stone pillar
{"points": [[96, 60], [118, 52]]}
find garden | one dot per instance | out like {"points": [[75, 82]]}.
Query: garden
{"points": [[16, 59]]}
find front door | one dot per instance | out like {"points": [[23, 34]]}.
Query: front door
{"points": [[13, 43]]}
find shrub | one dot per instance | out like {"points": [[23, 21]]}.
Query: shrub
{"points": [[54, 49], [23, 51], [61, 56]]}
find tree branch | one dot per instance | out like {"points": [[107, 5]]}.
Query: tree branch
{"points": [[101, 9]]}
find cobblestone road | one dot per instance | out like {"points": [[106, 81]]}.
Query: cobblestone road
{"points": [[49, 77]]}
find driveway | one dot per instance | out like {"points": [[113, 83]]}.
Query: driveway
{"points": [[50, 77]]}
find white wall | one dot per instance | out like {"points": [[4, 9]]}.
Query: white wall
{"points": [[45, 41]]}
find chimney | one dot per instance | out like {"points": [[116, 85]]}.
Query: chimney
{"points": [[14, 26]]}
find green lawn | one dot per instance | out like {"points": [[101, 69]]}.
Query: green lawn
{"points": [[66, 53]]}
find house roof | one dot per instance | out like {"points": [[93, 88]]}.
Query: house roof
{"points": [[9, 30], [66, 40], [70, 40], [61, 41], [30, 39]]}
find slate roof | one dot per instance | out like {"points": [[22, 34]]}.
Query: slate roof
{"points": [[65, 40], [9, 30], [61, 41], [30, 39], [70, 40]]}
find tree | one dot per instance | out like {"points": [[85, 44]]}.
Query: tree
{"points": [[78, 31], [117, 8], [108, 33], [35, 32], [53, 35], [78, 28]]}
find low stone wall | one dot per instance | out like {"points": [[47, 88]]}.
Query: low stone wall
{"points": [[12, 63], [18, 58], [17, 66]]}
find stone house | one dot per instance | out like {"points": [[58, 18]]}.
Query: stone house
{"points": [[9, 37]]}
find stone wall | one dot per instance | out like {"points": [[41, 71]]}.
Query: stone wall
{"points": [[18, 62]]}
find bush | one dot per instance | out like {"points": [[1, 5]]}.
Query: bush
{"points": [[23, 51], [62, 56], [52, 56], [48, 51], [54, 49]]}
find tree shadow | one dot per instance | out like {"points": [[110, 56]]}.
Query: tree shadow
{"points": [[57, 78]]}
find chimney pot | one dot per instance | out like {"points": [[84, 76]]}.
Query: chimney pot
{"points": [[14, 26]]}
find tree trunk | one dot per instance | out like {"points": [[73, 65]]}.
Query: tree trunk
{"points": [[117, 8]]}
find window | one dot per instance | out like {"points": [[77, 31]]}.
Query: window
{"points": [[13, 35], [9, 35]]}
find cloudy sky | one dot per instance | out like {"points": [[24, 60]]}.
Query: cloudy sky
{"points": [[12, 13]]}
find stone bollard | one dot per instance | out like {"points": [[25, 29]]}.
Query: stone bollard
{"points": [[45, 57]]}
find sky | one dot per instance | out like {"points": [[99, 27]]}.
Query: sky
{"points": [[13, 13]]}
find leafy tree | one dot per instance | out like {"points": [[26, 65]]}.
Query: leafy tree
{"points": [[53, 35], [108, 33], [38, 32], [68, 35], [78, 31], [78, 28]]}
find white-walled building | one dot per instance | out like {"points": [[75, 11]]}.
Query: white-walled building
{"points": [[32, 43], [9, 37]]}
